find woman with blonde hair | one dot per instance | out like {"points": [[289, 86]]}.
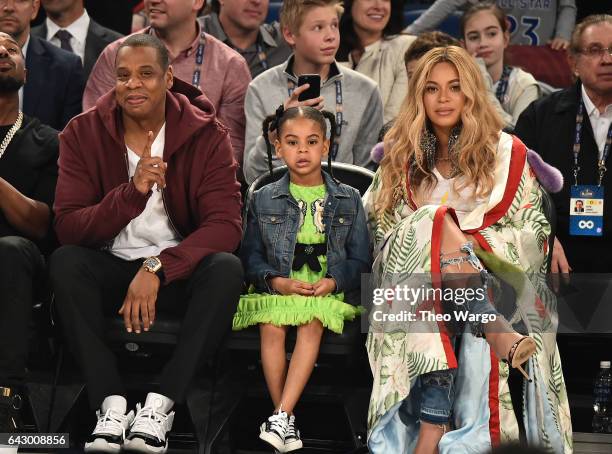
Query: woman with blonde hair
{"points": [[454, 197]]}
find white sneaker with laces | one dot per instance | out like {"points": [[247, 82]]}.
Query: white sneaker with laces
{"points": [[149, 430], [274, 429], [109, 434], [292, 437]]}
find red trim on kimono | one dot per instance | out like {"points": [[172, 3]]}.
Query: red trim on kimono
{"points": [[436, 279], [517, 164], [494, 423]]}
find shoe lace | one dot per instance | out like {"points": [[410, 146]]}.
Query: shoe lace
{"points": [[278, 422], [111, 422], [291, 431], [150, 421]]}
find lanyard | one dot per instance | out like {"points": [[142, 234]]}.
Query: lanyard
{"points": [[601, 163], [502, 85], [262, 56], [199, 59], [339, 114]]}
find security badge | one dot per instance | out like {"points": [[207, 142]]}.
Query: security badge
{"points": [[586, 210]]}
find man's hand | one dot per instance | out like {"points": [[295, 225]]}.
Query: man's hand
{"points": [[559, 44], [324, 287], [149, 171], [559, 265], [286, 286], [139, 305], [292, 101]]}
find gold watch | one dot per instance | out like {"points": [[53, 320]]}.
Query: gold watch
{"points": [[152, 265]]}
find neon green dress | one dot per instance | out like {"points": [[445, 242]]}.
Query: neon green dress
{"points": [[294, 310]]}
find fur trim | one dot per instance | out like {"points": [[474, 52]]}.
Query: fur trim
{"points": [[378, 152], [549, 177]]}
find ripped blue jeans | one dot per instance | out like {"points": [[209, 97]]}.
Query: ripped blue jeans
{"points": [[438, 387]]}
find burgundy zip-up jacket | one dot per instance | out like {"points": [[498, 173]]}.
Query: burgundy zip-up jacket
{"points": [[95, 198]]}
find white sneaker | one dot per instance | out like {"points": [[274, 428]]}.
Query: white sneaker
{"points": [[149, 430], [109, 434], [292, 437], [274, 429]]}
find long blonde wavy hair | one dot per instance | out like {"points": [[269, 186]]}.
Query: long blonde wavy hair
{"points": [[477, 142]]}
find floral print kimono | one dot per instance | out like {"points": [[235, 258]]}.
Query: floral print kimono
{"points": [[511, 226]]}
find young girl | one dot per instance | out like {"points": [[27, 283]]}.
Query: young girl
{"points": [[305, 245], [371, 43], [484, 30]]}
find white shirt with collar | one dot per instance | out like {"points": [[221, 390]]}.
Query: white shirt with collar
{"points": [[600, 122], [78, 29]]}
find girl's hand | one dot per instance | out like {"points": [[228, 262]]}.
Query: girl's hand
{"points": [[559, 44], [324, 287], [286, 286]]}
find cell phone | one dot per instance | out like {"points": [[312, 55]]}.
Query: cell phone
{"points": [[314, 90]]}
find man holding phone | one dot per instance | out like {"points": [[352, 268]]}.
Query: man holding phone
{"points": [[312, 32]]}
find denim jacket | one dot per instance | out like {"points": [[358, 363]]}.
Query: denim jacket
{"points": [[272, 225]]}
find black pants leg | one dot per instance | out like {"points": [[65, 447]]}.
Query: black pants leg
{"points": [[211, 297], [89, 285], [21, 271]]}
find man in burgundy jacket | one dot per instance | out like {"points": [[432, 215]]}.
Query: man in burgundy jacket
{"points": [[148, 210]]}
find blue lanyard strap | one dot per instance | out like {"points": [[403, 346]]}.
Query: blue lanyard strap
{"points": [[601, 163], [262, 56], [339, 114], [502, 86], [199, 59]]}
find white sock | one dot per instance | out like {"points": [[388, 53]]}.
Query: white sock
{"points": [[117, 403], [160, 402]]}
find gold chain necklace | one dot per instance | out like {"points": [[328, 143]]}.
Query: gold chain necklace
{"points": [[11, 132]]}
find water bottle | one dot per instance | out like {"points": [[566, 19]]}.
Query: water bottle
{"points": [[602, 402]]}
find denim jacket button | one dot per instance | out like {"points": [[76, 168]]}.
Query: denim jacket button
{"points": [[273, 219], [341, 220]]}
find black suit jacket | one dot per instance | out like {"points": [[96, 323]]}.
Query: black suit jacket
{"points": [[548, 126], [53, 92], [98, 38]]}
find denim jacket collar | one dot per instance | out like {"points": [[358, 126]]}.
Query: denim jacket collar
{"points": [[281, 187]]}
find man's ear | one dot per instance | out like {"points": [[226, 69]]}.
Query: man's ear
{"points": [[35, 8]]}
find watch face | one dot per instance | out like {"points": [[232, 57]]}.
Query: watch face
{"points": [[152, 264]]}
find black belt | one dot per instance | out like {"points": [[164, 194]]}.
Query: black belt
{"points": [[308, 254]]}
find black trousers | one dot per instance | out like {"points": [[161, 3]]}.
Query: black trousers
{"points": [[91, 284], [21, 272]]}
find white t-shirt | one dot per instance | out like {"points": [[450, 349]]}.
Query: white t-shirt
{"points": [[443, 193], [149, 233]]}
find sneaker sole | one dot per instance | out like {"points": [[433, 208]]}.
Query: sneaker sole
{"points": [[273, 441], [101, 445], [139, 445], [293, 445]]}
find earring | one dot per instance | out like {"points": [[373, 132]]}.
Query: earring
{"points": [[453, 149], [428, 145]]}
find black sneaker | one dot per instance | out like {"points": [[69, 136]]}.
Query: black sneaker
{"points": [[273, 431], [10, 410], [292, 437]]}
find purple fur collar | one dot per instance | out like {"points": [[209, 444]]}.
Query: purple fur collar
{"points": [[549, 177]]}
